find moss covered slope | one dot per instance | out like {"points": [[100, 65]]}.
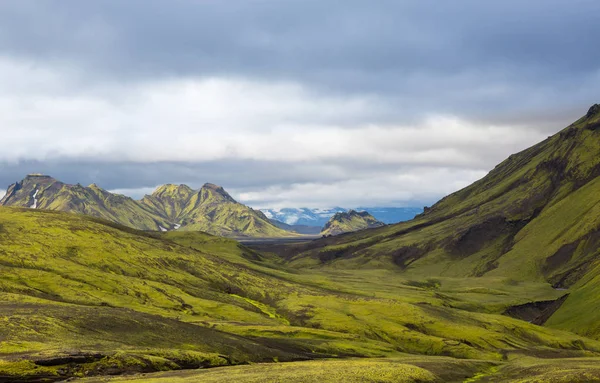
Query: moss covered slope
{"points": [[44, 192], [347, 222], [170, 207], [535, 217], [81, 294]]}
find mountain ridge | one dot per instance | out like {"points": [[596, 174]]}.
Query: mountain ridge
{"points": [[534, 217], [169, 207]]}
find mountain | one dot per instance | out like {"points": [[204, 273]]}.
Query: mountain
{"points": [[82, 296], [39, 191], [319, 217], [350, 221], [210, 209], [534, 217], [170, 207]]}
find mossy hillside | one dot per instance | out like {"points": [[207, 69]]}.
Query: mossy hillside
{"points": [[51, 194], [86, 273], [533, 218], [169, 200], [346, 222], [170, 207], [375, 370]]}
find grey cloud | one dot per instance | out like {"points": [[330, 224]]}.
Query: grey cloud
{"points": [[91, 67], [470, 58]]}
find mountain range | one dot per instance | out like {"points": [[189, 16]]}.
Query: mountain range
{"points": [[319, 217], [171, 207]]}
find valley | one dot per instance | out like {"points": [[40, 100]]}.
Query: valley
{"points": [[496, 282]]}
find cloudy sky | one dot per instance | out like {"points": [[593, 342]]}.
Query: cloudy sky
{"points": [[289, 103]]}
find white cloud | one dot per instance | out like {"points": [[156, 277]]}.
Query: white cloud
{"points": [[2, 193], [46, 113], [406, 188]]}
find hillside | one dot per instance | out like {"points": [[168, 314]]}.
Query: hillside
{"points": [[82, 296], [38, 191], [347, 222], [170, 207], [535, 217]]}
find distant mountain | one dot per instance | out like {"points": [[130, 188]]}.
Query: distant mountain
{"points": [[319, 217], [170, 207], [39, 191], [210, 209], [350, 221]]}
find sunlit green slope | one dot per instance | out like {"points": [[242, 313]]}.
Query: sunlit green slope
{"points": [[79, 295], [535, 217], [213, 210], [44, 192], [346, 222], [170, 207]]}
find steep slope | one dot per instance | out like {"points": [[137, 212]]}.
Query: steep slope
{"points": [[350, 221], [44, 192], [210, 209], [535, 217], [169, 200], [170, 207], [83, 296]]}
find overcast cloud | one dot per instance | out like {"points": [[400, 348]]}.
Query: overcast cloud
{"points": [[289, 103]]}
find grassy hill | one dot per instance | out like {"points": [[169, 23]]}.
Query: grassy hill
{"points": [[535, 217], [347, 222], [170, 207], [82, 296]]}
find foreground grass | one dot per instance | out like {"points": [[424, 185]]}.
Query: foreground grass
{"points": [[405, 369], [350, 371]]}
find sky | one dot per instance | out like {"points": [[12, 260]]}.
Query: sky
{"points": [[289, 103]]}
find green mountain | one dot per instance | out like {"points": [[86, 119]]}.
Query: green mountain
{"points": [[44, 192], [81, 296], [212, 210], [170, 207], [535, 217], [346, 222]]}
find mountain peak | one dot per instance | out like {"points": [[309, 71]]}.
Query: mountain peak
{"points": [[37, 177], [594, 110], [208, 185], [352, 220], [209, 189], [172, 189]]}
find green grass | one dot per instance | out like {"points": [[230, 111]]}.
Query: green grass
{"points": [[75, 284], [373, 370]]}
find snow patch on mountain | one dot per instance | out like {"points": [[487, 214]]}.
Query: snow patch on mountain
{"points": [[35, 201]]}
